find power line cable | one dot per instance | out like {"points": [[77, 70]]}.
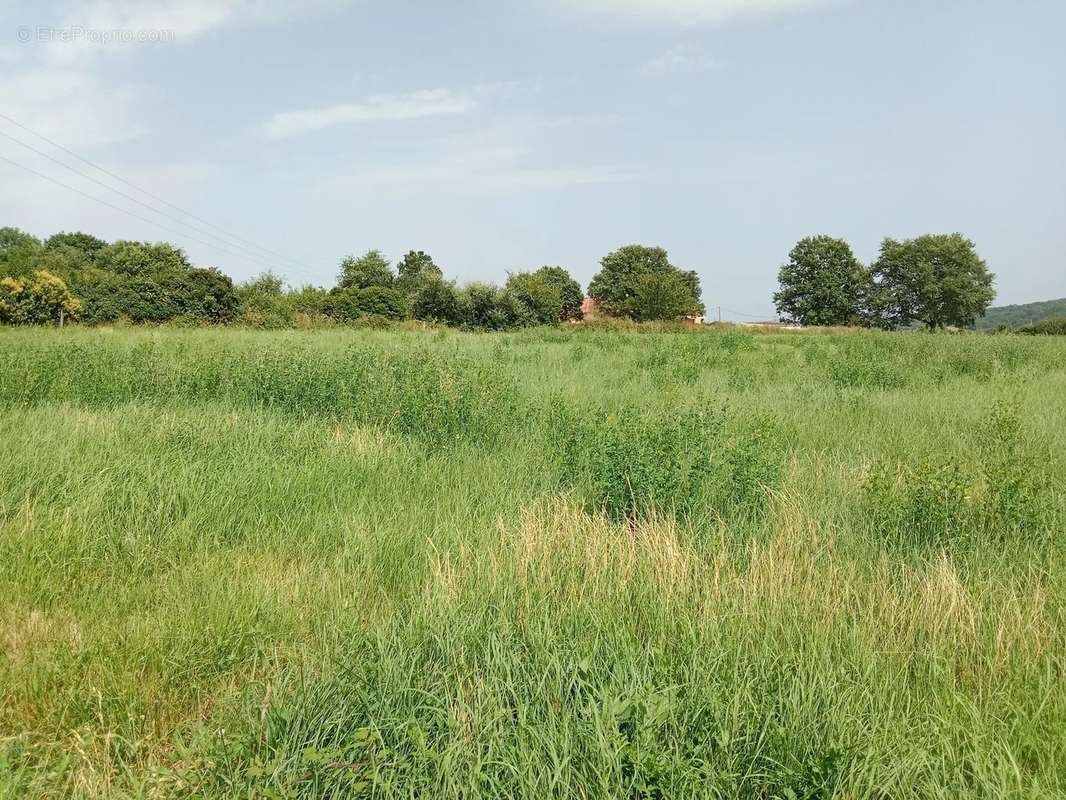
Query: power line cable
{"points": [[145, 192], [256, 256], [126, 211]]}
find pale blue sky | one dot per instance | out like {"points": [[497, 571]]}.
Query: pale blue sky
{"points": [[503, 135]]}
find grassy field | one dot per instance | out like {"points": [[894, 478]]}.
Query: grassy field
{"points": [[556, 563]]}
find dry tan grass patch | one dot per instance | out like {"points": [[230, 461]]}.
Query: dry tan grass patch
{"points": [[29, 632], [362, 440]]}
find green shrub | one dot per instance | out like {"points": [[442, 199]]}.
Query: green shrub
{"points": [[679, 357], [736, 342], [866, 363], [39, 300], [635, 463], [918, 504], [436, 300], [1052, 326], [381, 301], [751, 463], [1014, 497], [938, 501], [538, 300]]}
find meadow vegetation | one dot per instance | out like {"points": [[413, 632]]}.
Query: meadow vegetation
{"points": [[570, 561]]}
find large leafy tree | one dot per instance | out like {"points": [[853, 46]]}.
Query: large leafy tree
{"points": [[486, 307], [936, 279], [570, 294], [202, 293], [18, 251], [538, 299], [822, 283], [265, 284], [144, 282], [436, 300], [624, 286], [370, 269], [662, 296], [142, 258], [85, 243], [382, 301], [12, 238], [414, 269]]}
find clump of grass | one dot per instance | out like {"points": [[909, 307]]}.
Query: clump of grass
{"points": [[926, 503], [943, 501], [1014, 482], [632, 464], [437, 397]]}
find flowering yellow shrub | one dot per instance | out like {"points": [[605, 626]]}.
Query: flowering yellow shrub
{"points": [[38, 300]]}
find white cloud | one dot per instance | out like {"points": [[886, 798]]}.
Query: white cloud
{"points": [[507, 157], [687, 12], [71, 106], [413, 105], [55, 83], [678, 59]]}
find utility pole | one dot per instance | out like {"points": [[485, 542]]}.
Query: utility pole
{"points": [[719, 313]]}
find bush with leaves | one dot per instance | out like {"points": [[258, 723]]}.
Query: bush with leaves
{"points": [[18, 251], [414, 270], [381, 301], [920, 504], [486, 307], [539, 301], [1014, 484], [632, 464], [370, 269], [640, 283], [342, 305], [40, 300], [436, 300], [1053, 326], [940, 501], [570, 293]]}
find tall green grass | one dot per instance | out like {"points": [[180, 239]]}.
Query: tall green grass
{"points": [[577, 563]]}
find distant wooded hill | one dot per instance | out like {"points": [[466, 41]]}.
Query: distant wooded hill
{"points": [[1025, 314]]}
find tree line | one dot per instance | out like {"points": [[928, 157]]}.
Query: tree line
{"points": [[937, 280], [78, 276]]}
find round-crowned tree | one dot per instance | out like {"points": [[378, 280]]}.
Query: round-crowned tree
{"points": [[624, 284], [822, 283], [382, 301], [539, 302], [570, 293], [936, 279], [371, 269], [436, 300], [414, 269]]}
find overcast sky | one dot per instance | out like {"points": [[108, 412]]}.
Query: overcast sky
{"points": [[504, 135]]}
